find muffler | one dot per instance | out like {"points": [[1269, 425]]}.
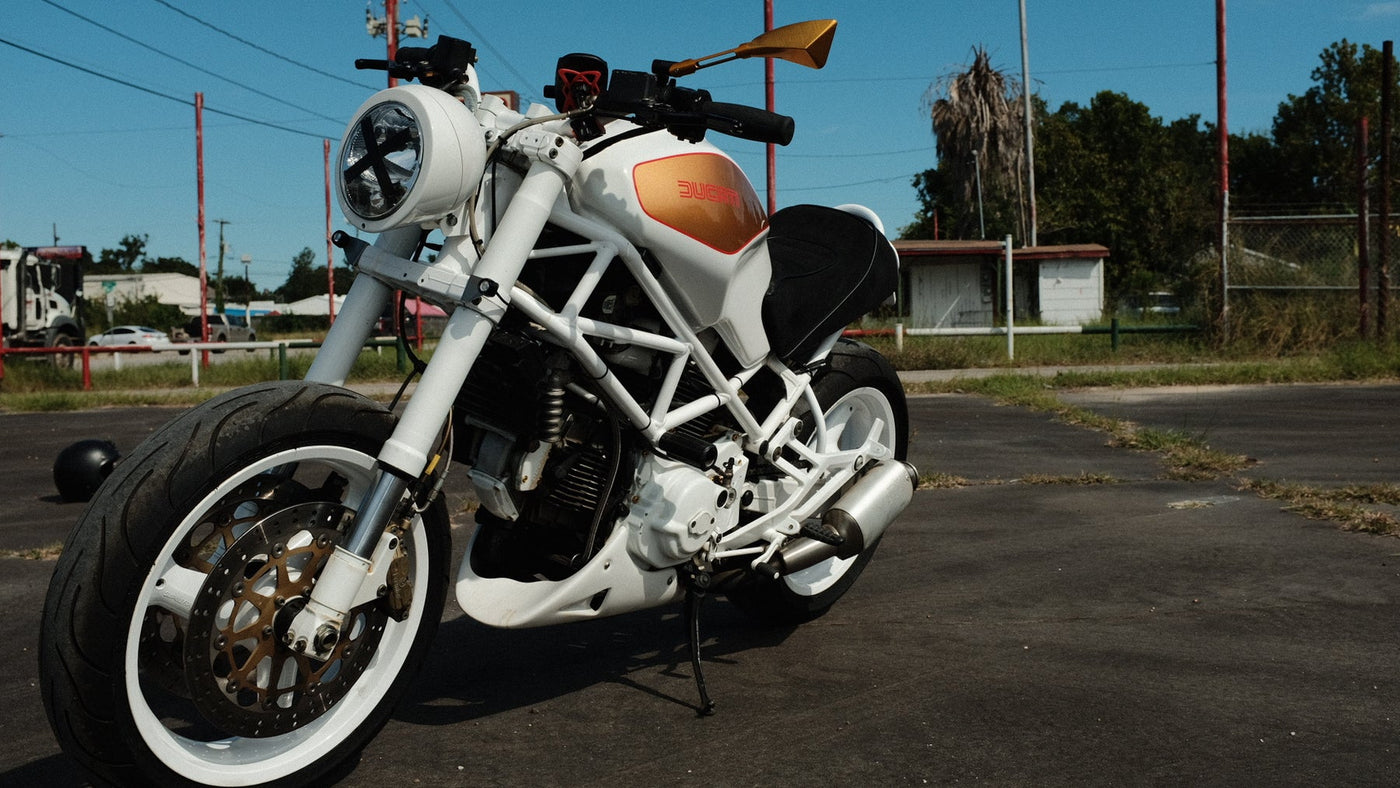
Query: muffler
{"points": [[859, 517]]}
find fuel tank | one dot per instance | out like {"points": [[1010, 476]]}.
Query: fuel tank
{"points": [[692, 207]]}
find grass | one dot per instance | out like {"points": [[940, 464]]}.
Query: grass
{"points": [[46, 553], [1347, 506], [1184, 456], [36, 386], [1172, 359]]}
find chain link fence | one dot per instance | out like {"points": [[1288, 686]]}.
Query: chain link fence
{"points": [[1301, 253]]}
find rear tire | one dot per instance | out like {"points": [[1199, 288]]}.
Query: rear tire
{"points": [[858, 387], [129, 685]]}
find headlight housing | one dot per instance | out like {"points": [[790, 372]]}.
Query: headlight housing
{"points": [[412, 154]]}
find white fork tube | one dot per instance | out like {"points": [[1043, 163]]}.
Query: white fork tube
{"points": [[404, 456], [363, 305], [469, 326]]}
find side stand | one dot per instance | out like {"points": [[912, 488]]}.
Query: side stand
{"points": [[697, 582]]}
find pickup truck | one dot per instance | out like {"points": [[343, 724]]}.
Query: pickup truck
{"points": [[222, 328]]}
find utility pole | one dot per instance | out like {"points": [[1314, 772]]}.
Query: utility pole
{"points": [[1223, 130], [1030, 129], [219, 277], [330, 248], [770, 102], [389, 27], [1383, 275], [203, 255]]}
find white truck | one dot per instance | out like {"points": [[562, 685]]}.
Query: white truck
{"points": [[41, 291]]}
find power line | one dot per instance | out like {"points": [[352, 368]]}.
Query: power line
{"points": [[524, 82], [157, 93], [885, 80], [186, 63], [263, 49], [891, 179], [784, 155]]}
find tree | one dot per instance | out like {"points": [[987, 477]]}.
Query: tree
{"points": [[980, 135], [125, 259], [1313, 164], [1112, 173], [305, 279], [169, 265]]}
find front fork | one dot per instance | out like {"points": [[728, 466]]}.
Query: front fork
{"points": [[405, 455]]}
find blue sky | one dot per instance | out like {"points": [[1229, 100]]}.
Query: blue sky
{"points": [[102, 160]]}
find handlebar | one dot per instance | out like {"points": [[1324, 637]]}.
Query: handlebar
{"points": [[748, 123], [650, 98]]}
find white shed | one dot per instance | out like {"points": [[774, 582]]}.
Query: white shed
{"points": [[951, 284]]}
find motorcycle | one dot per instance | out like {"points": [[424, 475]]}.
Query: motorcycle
{"points": [[642, 374]]}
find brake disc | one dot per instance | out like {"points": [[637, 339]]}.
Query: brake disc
{"points": [[241, 674]]}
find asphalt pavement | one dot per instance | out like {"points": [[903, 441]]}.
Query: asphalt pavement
{"points": [[1021, 629]]}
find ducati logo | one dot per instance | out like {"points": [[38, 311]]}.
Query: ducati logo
{"points": [[709, 192]]}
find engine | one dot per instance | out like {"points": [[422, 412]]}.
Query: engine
{"points": [[555, 471]]}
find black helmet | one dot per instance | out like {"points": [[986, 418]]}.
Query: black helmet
{"points": [[80, 468]]}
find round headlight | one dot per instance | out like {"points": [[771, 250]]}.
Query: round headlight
{"points": [[383, 155], [412, 155]]}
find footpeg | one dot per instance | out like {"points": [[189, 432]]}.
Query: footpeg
{"points": [[823, 532]]}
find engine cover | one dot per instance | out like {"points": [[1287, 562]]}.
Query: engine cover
{"points": [[676, 509]]}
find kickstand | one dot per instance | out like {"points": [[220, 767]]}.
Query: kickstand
{"points": [[697, 581]]}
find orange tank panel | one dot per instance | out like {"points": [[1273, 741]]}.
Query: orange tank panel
{"points": [[701, 195]]}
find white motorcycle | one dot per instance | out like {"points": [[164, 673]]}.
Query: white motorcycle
{"points": [[643, 375]]}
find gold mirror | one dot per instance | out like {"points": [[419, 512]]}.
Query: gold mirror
{"points": [[804, 43]]}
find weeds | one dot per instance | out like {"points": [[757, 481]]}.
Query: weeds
{"points": [[1184, 456], [45, 553], [1346, 506]]}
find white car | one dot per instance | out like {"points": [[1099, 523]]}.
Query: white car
{"points": [[130, 335]]}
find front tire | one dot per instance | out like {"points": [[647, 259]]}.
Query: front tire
{"points": [[241, 498], [857, 389]]}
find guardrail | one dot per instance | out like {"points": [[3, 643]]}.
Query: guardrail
{"points": [[197, 351], [1114, 329]]}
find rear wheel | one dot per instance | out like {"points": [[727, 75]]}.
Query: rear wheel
{"points": [[858, 391], [161, 652]]}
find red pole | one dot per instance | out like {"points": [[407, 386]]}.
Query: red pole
{"points": [[391, 31], [3, 343], [330, 255], [769, 104], [1222, 114], [1363, 239], [203, 254], [1383, 279]]}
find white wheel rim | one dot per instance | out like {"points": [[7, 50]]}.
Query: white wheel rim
{"points": [[848, 422], [247, 761]]}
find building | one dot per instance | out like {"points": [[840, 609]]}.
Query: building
{"points": [[179, 290], [960, 284]]}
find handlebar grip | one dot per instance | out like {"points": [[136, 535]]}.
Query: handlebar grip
{"points": [[749, 123]]}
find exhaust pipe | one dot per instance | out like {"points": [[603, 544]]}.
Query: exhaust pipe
{"points": [[860, 516]]}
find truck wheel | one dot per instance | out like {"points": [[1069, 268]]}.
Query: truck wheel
{"points": [[65, 360]]}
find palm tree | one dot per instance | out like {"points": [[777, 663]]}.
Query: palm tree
{"points": [[980, 132]]}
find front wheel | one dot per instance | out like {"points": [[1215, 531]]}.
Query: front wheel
{"points": [[161, 650], [858, 391]]}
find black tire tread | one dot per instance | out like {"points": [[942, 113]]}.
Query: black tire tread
{"points": [[105, 557]]}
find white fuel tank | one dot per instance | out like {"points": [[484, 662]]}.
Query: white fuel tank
{"points": [[695, 210]]}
